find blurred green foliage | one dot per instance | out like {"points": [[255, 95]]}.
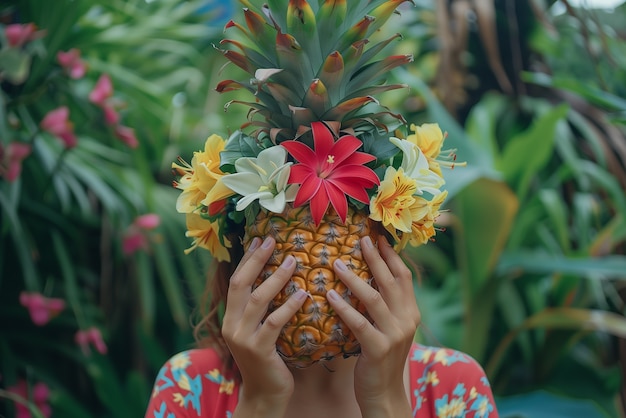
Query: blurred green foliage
{"points": [[527, 276]]}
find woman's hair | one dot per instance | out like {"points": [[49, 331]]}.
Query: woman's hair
{"points": [[208, 330]]}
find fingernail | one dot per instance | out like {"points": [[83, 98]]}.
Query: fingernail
{"points": [[340, 265], [367, 241], [288, 262], [269, 241], [300, 295], [254, 244], [332, 294]]}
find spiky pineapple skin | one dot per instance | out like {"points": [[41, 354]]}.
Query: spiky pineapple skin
{"points": [[315, 332]]}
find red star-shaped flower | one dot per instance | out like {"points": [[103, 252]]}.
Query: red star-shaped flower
{"points": [[330, 172]]}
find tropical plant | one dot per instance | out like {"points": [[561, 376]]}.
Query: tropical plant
{"points": [[95, 100], [527, 277]]}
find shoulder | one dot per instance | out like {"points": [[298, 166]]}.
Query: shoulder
{"points": [[189, 383], [444, 381]]}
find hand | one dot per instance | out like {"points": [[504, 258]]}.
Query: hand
{"points": [[267, 383], [385, 344]]}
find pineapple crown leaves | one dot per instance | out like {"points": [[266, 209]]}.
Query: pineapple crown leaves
{"points": [[309, 60]]}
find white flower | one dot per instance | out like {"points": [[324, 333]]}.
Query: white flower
{"points": [[263, 178], [415, 165]]}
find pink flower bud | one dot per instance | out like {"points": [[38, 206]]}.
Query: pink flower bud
{"points": [[92, 336], [71, 61], [11, 159], [40, 308], [18, 34], [102, 90], [133, 242], [40, 396], [111, 117], [127, 135], [57, 123], [148, 221]]}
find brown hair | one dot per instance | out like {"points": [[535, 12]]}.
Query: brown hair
{"points": [[208, 330]]}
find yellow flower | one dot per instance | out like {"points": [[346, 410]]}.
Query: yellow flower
{"points": [[392, 201], [473, 393], [180, 361], [432, 378], [179, 399], [200, 181], [227, 387], [441, 357], [424, 213], [215, 374], [429, 138], [206, 235], [183, 382], [457, 407]]}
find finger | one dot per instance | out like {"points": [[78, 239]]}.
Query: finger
{"points": [[362, 329], [383, 276], [254, 244], [240, 285], [261, 297], [370, 297], [274, 323], [395, 264]]}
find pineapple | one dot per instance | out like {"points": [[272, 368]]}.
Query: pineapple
{"points": [[313, 74], [314, 333], [310, 62]]}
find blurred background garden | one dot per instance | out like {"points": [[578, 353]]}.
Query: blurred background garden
{"points": [[527, 274]]}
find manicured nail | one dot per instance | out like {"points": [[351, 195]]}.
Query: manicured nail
{"points": [[332, 294], [254, 244], [288, 262], [340, 265], [367, 241], [300, 295], [269, 241]]}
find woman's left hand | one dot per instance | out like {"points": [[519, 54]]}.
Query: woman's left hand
{"points": [[385, 343]]}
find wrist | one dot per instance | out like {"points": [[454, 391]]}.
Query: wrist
{"points": [[391, 404], [257, 405]]}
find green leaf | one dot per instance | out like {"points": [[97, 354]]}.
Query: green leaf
{"points": [[539, 262], [478, 162], [561, 319], [593, 94], [14, 64], [237, 146], [557, 215], [486, 210], [528, 152], [72, 291]]}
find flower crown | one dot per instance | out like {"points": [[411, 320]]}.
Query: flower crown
{"points": [[397, 180]]}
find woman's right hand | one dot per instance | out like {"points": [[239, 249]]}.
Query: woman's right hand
{"points": [[267, 383]]}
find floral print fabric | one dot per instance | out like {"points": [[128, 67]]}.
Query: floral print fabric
{"points": [[444, 384]]}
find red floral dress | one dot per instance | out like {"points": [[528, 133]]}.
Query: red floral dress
{"points": [[444, 384]]}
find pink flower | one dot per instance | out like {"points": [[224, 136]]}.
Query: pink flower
{"points": [[133, 242], [135, 237], [40, 308], [11, 159], [127, 135], [102, 91], [71, 62], [40, 395], [148, 221], [91, 336], [57, 123], [111, 117], [330, 172], [18, 34]]}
